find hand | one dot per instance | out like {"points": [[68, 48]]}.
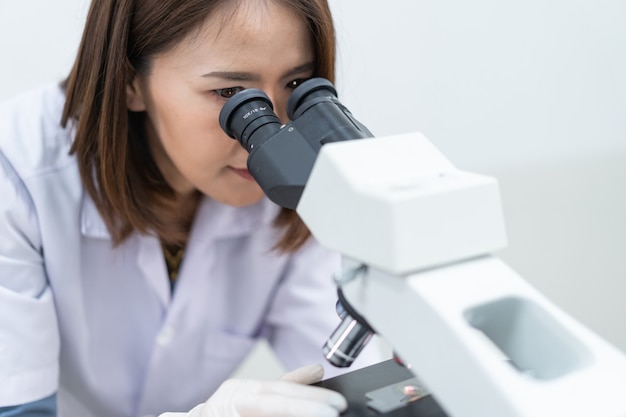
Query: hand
{"points": [[290, 396]]}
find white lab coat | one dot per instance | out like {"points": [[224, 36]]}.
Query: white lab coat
{"points": [[98, 325]]}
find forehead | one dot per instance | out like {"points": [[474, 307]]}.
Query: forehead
{"points": [[246, 32]]}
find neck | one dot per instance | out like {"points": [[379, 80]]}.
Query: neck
{"points": [[180, 212]]}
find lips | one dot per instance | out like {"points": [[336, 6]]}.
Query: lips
{"points": [[243, 172]]}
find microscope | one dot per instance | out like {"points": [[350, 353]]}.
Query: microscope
{"points": [[417, 236]]}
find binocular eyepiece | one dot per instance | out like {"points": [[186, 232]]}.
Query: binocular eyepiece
{"points": [[282, 156], [249, 115]]}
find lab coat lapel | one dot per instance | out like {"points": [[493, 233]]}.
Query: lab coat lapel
{"points": [[214, 222], [211, 222], [149, 256], [152, 265], [91, 224]]}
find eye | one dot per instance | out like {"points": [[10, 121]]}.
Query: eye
{"points": [[228, 92], [294, 83]]}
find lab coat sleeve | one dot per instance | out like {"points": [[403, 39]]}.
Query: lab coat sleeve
{"points": [[302, 315], [46, 407], [29, 339]]}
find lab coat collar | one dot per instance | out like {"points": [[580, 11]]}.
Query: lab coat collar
{"points": [[91, 223], [216, 220], [213, 219]]}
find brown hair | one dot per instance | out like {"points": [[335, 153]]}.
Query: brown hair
{"points": [[117, 169]]}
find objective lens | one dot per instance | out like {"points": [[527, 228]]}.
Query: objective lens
{"points": [[249, 117], [346, 342], [349, 338]]}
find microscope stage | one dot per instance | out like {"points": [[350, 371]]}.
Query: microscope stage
{"points": [[380, 381]]}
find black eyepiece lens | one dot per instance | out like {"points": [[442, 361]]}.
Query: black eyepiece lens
{"points": [[248, 112], [232, 114], [314, 87]]}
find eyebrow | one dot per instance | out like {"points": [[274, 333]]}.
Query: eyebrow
{"points": [[248, 76]]}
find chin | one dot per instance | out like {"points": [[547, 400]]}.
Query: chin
{"points": [[240, 199], [243, 202], [234, 194]]}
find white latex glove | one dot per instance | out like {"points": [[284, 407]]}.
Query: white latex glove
{"points": [[289, 396]]}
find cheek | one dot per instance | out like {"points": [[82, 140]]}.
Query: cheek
{"points": [[183, 116], [191, 126]]}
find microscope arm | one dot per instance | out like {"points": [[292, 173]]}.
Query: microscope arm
{"points": [[483, 340]]}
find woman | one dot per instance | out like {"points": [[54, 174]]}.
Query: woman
{"points": [[139, 260]]}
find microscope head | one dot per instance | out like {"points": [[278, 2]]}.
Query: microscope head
{"points": [[281, 156]]}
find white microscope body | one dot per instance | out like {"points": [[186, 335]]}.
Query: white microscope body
{"points": [[484, 341]]}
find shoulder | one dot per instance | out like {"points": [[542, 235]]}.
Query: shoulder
{"points": [[31, 136]]}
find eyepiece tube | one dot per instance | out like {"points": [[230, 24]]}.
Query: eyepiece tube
{"points": [[306, 92], [249, 117]]}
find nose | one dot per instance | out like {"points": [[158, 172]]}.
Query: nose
{"points": [[279, 101]]}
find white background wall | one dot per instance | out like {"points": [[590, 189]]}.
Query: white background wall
{"points": [[531, 92]]}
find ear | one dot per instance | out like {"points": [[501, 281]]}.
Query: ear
{"points": [[134, 96]]}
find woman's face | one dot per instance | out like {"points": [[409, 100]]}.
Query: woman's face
{"points": [[261, 45]]}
